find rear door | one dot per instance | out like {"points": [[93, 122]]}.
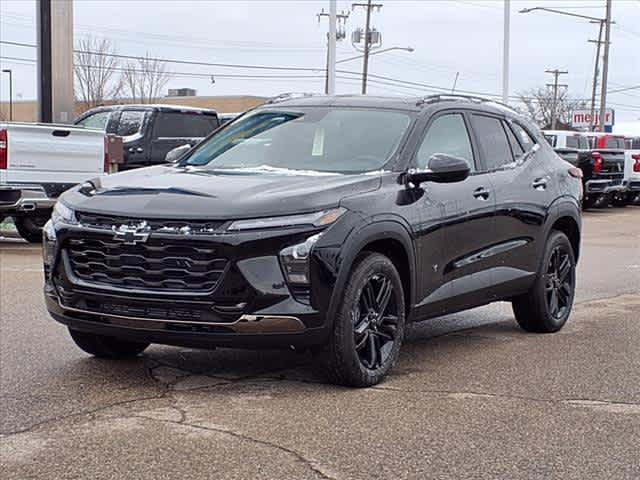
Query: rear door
{"points": [[454, 275], [524, 190], [173, 129]]}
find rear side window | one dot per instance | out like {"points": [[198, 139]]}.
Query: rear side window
{"points": [[97, 120], [516, 148], [493, 141], [184, 125], [447, 134], [584, 143], [130, 122], [551, 140]]}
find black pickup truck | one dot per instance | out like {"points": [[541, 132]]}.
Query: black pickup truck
{"points": [[149, 132], [600, 156]]}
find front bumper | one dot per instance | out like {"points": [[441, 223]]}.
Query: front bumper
{"points": [[251, 307], [21, 199]]}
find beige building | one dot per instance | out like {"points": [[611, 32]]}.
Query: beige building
{"points": [[27, 110]]}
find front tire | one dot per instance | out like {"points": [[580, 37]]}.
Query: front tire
{"points": [[30, 227], [106, 347], [369, 324], [545, 308]]}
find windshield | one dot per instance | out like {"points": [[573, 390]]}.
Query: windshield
{"points": [[312, 139]]}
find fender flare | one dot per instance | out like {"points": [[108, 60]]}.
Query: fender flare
{"points": [[388, 228]]}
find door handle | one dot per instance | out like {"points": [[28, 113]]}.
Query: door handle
{"points": [[539, 183], [481, 193]]}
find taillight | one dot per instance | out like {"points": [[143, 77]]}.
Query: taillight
{"points": [[636, 159], [4, 149], [597, 162], [106, 165], [575, 172]]}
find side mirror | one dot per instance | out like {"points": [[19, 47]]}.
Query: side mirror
{"points": [[176, 153], [442, 168]]}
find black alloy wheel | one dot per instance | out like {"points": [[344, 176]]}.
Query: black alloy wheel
{"points": [[559, 282], [375, 322]]}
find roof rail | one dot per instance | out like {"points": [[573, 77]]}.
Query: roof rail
{"points": [[290, 95], [442, 97]]}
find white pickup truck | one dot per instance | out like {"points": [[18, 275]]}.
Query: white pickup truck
{"points": [[40, 161], [632, 169]]}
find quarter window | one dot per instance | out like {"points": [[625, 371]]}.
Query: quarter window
{"points": [[526, 140], [493, 141], [447, 134], [516, 148]]}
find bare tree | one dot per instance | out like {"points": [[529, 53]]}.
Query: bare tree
{"points": [[539, 105], [145, 78], [94, 67]]}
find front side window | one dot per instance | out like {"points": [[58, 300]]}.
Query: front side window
{"points": [[184, 125], [493, 141], [322, 139], [97, 120], [130, 122], [447, 134]]}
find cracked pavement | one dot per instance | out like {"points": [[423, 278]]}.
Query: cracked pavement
{"points": [[471, 397]]}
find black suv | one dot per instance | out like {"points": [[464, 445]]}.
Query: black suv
{"points": [[321, 223], [149, 132]]}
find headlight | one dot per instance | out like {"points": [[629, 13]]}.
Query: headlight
{"points": [[316, 219], [295, 260], [62, 213]]}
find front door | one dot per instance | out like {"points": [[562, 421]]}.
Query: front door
{"points": [[455, 275]]}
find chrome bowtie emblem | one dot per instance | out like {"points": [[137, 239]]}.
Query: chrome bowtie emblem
{"points": [[132, 234]]}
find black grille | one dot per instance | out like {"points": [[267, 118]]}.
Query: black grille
{"points": [[191, 227], [158, 265]]}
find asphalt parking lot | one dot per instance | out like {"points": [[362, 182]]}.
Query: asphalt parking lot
{"points": [[472, 396]]}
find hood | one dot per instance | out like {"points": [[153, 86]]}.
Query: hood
{"points": [[178, 192]]}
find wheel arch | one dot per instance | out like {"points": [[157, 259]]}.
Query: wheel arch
{"points": [[567, 219], [388, 237]]}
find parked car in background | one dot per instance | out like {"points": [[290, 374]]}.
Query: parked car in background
{"points": [[227, 117], [632, 169], [601, 159], [322, 223], [149, 132], [40, 161]]}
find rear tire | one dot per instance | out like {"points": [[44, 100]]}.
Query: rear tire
{"points": [[106, 347], [369, 326], [545, 308], [30, 227], [619, 202]]}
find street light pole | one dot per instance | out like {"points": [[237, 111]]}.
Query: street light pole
{"points": [[8, 70], [377, 52], [605, 66], [505, 52]]}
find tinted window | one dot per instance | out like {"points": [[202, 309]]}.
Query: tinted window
{"points": [[493, 141], [97, 120], [526, 140], [130, 122], [516, 148], [635, 144], [184, 125], [310, 139], [615, 142], [447, 134]]}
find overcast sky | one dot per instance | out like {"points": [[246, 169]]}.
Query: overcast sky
{"points": [[449, 36]]}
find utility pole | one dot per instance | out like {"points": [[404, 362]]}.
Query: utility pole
{"points": [[595, 76], [605, 66], [333, 35], [554, 108], [10, 73], [367, 39], [505, 52]]}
